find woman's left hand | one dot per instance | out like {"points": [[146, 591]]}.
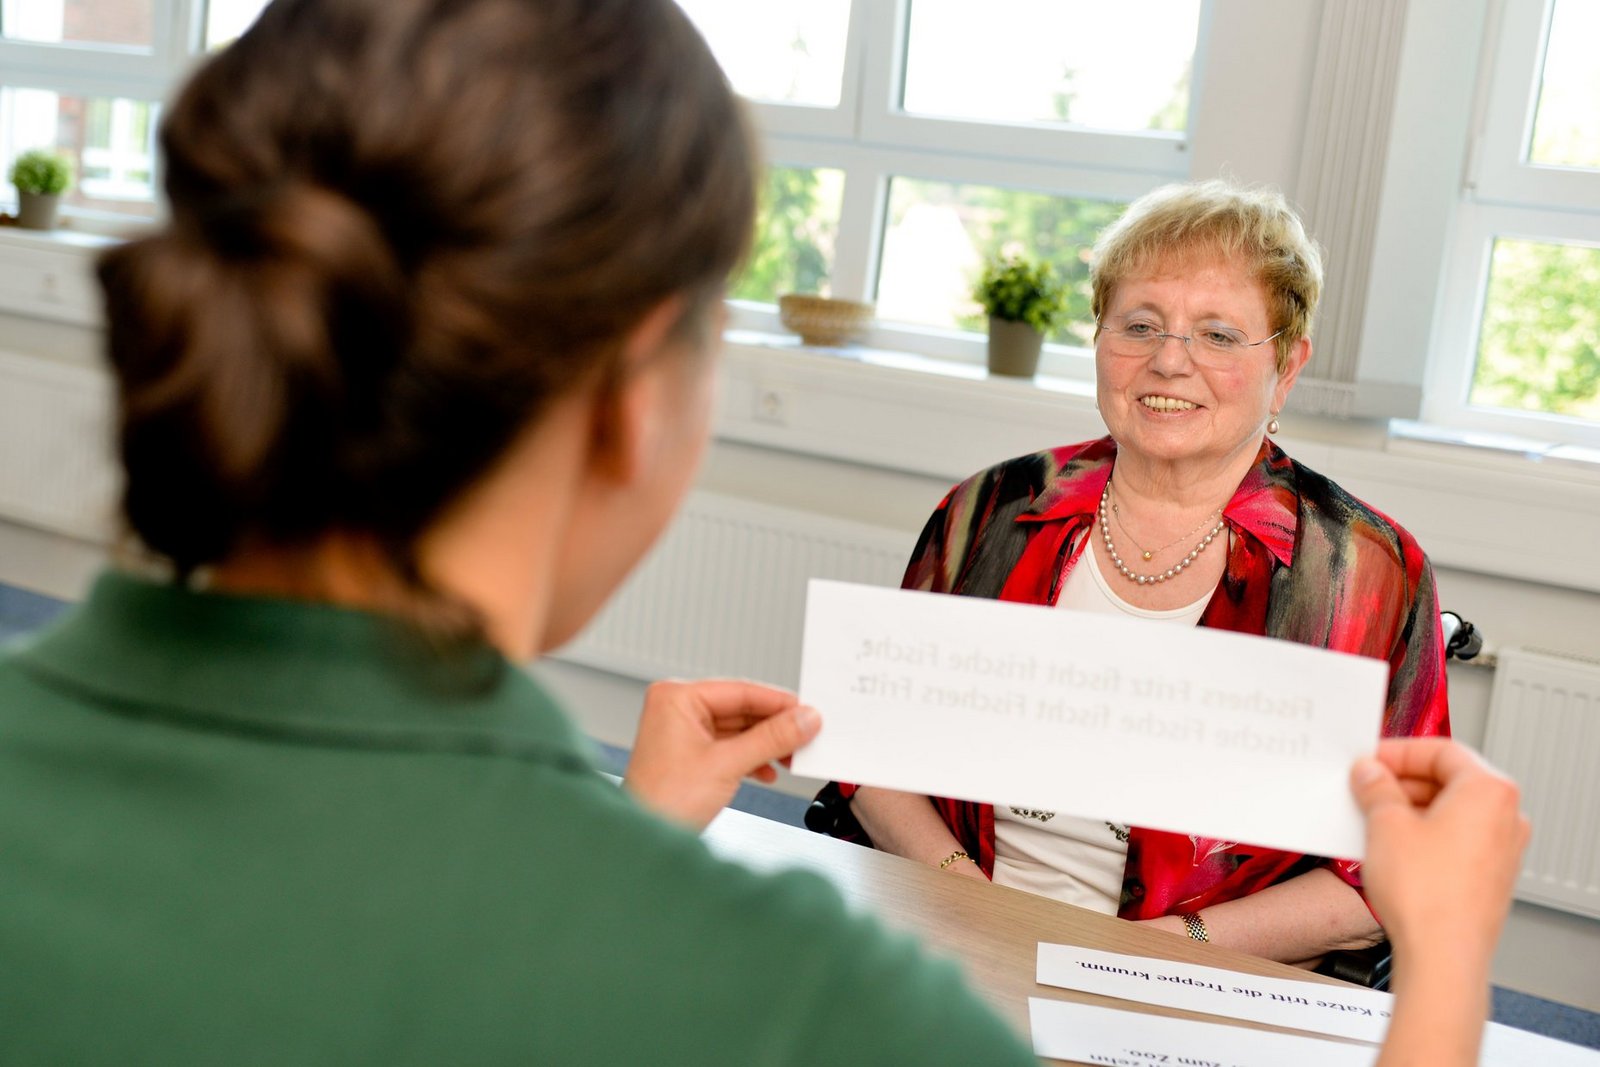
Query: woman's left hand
{"points": [[698, 740]]}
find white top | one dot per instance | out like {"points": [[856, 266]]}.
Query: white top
{"points": [[1087, 589], [1063, 856]]}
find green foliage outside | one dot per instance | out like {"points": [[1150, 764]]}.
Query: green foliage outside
{"points": [[1058, 230], [41, 171], [796, 225], [1019, 289], [1539, 349]]}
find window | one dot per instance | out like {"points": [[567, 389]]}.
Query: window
{"points": [[1060, 72], [938, 234], [911, 139], [124, 23], [778, 51], [85, 77], [797, 229], [1518, 350]]}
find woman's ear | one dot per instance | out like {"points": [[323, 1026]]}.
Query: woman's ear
{"points": [[1299, 356], [632, 403]]}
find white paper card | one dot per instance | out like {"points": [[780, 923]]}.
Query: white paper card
{"points": [[1196, 731], [1089, 1034], [1343, 1011], [1506, 1046]]}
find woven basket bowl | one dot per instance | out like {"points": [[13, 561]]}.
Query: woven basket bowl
{"points": [[822, 320]]}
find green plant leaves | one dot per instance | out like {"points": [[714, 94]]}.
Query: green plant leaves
{"points": [[41, 171], [1020, 289]]}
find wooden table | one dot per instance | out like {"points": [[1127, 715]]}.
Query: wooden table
{"points": [[993, 930]]}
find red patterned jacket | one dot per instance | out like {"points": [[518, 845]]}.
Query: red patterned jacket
{"points": [[1308, 563]]}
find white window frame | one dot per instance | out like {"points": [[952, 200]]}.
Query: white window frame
{"points": [[1506, 196], [112, 71], [122, 163], [872, 140]]}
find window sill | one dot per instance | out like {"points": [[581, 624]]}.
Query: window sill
{"points": [[1514, 508], [1522, 510], [1424, 439], [893, 410]]}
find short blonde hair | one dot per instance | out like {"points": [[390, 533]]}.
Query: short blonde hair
{"points": [[1217, 219]]}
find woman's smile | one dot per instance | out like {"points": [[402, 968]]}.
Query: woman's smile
{"points": [[1167, 404]]}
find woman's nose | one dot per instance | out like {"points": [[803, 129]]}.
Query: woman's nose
{"points": [[1171, 356]]}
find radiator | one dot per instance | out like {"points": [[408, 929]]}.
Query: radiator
{"points": [[723, 593], [56, 466], [1544, 730]]}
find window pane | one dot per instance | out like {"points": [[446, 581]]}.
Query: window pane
{"points": [[111, 143], [1539, 347], [1085, 62], [796, 227], [939, 235], [781, 51], [1566, 129], [227, 19], [118, 22]]}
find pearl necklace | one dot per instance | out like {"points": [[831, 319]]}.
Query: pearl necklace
{"points": [[1150, 579]]}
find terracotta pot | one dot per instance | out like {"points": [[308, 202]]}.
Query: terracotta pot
{"points": [[37, 211], [1013, 348]]}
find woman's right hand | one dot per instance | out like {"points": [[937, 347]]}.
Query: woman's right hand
{"points": [[1444, 844], [1445, 837]]}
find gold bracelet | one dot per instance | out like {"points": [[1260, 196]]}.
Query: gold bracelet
{"points": [[953, 857], [1196, 926]]}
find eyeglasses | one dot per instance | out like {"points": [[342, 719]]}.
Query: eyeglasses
{"points": [[1138, 337]]}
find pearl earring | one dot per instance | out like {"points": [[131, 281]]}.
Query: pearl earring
{"points": [[1272, 424]]}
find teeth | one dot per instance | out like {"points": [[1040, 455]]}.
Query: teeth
{"points": [[1166, 403]]}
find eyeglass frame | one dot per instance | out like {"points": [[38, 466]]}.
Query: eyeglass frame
{"points": [[1161, 337]]}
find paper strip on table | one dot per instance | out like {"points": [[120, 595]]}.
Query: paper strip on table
{"points": [[1086, 1033], [1340, 1010]]}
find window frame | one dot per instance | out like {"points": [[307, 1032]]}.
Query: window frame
{"points": [[86, 69], [873, 141], [129, 72], [1504, 195]]}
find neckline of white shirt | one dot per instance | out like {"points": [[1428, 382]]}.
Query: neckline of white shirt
{"points": [[1129, 609]]}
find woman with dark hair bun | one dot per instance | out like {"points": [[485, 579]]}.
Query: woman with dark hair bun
{"points": [[415, 373], [418, 368]]}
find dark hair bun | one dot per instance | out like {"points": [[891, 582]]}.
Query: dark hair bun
{"points": [[245, 345], [399, 229]]}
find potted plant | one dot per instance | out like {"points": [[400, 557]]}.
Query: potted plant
{"points": [[1023, 300], [41, 176]]}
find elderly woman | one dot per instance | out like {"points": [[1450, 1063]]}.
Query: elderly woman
{"points": [[1186, 514]]}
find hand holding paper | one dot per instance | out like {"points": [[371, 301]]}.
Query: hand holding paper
{"points": [[698, 740]]}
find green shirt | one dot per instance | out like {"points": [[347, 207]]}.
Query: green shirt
{"points": [[258, 831]]}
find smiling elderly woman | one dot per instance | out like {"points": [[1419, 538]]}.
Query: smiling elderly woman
{"points": [[1186, 514]]}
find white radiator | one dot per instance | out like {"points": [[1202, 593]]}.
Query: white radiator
{"points": [[723, 593], [57, 471], [1544, 731]]}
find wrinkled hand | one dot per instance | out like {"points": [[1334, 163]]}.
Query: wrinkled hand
{"points": [[1444, 844], [697, 740]]}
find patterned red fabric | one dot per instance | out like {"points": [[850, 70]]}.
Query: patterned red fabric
{"points": [[1308, 563]]}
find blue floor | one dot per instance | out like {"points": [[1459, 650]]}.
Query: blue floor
{"points": [[22, 611]]}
